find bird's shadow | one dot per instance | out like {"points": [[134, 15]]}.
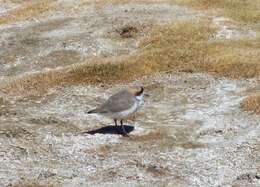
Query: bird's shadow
{"points": [[110, 129]]}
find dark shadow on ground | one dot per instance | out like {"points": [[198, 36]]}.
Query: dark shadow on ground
{"points": [[111, 129]]}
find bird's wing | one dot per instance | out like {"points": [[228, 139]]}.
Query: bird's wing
{"points": [[121, 101]]}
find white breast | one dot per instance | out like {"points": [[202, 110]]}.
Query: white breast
{"points": [[126, 113]]}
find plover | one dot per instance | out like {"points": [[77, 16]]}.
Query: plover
{"points": [[121, 105]]}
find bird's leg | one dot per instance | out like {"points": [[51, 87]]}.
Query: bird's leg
{"points": [[116, 125], [123, 128]]}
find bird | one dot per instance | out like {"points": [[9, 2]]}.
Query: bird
{"points": [[121, 106]]}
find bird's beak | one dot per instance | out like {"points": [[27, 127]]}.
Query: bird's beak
{"points": [[146, 95]]}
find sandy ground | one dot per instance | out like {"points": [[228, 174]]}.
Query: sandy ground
{"points": [[190, 131]]}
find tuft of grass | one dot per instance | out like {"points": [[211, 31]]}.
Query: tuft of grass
{"points": [[246, 11], [252, 103], [26, 10]]}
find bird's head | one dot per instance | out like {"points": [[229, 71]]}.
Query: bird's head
{"points": [[138, 93]]}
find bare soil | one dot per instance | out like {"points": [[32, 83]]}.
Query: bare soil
{"points": [[191, 131]]}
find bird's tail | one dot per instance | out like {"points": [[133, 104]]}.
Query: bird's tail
{"points": [[92, 111]]}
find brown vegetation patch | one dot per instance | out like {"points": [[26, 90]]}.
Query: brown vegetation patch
{"points": [[252, 103], [161, 53], [90, 72], [27, 10], [246, 11], [28, 183], [149, 137], [171, 48], [239, 58], [192, 145], [159, 137]]}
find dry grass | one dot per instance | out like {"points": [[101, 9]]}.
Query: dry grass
{"points": [[252, 103], [241, 10], [29, 184], [247, 11], [27, 10], [151, 137], [235, 58], [169, 48], [159, 137], [175, 48]]}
